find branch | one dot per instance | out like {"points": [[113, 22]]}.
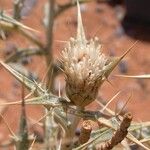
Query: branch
{"points": [[11, 27], [120, 134]]}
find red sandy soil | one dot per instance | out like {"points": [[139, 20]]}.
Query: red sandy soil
{"points": [[99, 20]]}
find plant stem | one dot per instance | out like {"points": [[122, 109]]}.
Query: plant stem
{"points": [[49, 41], [23, 142], [49, 131], [18, 5], [11, 27], [69, 138]]}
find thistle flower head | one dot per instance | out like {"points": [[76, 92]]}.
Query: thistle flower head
{"points": [[83, 61], [85, 66]]}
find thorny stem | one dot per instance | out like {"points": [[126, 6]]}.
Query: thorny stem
{"points": [[50, 132], [70, 137], [49, 122]]}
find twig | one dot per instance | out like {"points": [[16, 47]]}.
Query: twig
{"points": [[85, 132], [120, 134], [11, 27]]}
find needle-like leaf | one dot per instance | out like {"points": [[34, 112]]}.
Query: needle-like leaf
{"points": [[9, 19], [113, 62], [46, 100], [80, 30], [145, 76], [30, 84]]}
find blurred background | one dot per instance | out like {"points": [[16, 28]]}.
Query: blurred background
{"points": [[117, 23]]}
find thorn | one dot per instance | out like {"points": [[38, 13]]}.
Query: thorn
{"points": [[115, 61], [31, 147], [59, 90], [117, 114], [61, 41], [18, 102], [80, 30], [109, 82], [146, 76], [37, 122], [8, 127], [102, 110], [128, 50], [28, 95]]}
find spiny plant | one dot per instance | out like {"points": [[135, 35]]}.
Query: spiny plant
{"points": [[85, 69]]}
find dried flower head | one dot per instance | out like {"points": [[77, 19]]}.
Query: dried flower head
{"points": [[83, 64], [85, 67]]}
